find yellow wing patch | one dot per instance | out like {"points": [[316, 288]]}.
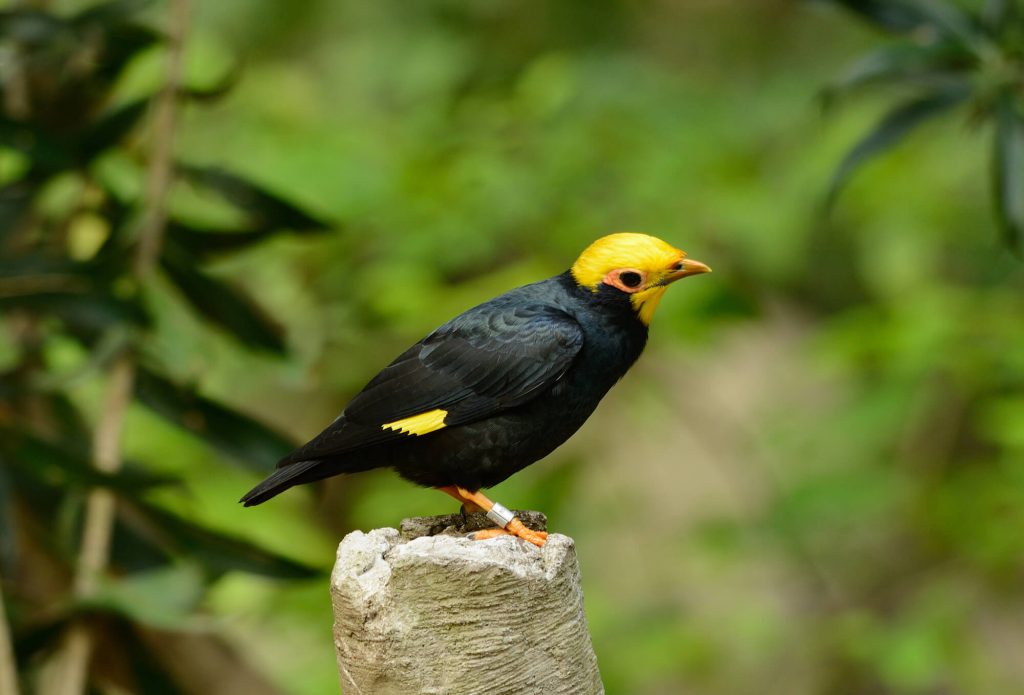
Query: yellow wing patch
{"points": [[424, 423]]}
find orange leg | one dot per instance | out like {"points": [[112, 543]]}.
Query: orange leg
{"points": [[498, 514], [469, 506]]}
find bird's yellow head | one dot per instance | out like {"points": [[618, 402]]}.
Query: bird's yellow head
{"points": [[642, 266]]}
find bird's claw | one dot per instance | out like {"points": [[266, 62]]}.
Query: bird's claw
{"points": [[515, 528]]}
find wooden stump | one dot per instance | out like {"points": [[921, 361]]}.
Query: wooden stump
{"points": [[428, 610]]}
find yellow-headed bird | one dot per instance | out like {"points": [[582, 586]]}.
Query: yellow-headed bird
{"points": [[501, 385]]}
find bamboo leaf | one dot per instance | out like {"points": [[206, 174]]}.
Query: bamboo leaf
{"points": [[110, 129], [122, 38], [47, 154], [15, 199], [215, 552], [30, 27], [934, 65], [215, 91], [55, 465], [889, 15], [893, 127], [1008, 175], [239, 436], [264, 208], [204, 243], [907, 16], [81, 294], [120, 639], [997, 16], [40, 636], [222, 304], [166, 596], [110, 12], [147, 670], [89, 318], [951, 21]]}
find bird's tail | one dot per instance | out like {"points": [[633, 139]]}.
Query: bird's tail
{"points": [[284, 478]]}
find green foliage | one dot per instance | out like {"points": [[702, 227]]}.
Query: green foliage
{"points": [[67, 287], [949, 55]]}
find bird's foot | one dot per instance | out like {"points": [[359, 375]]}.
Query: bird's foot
{"points": [[514, 528], [468, 508], [507, 523]]}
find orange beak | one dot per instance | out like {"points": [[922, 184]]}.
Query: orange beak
{"points": [[687, 267]]}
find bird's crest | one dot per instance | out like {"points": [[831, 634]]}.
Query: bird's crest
{"points": [[623, 250]]}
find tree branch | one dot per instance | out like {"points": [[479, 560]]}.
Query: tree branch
{"points": [[161, 164], [8, 665], [71, 672]]}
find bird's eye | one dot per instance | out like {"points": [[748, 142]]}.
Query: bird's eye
{"points": [[677, 266], [630, 279]]}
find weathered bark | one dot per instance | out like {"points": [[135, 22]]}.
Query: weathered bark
{"points": [[428, 610]]}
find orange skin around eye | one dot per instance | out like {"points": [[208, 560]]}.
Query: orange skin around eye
{"points": [[614, 278]]}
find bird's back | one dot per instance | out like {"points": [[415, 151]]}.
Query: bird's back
{"points": [[486, 452]]}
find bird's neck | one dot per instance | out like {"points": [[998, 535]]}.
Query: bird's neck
{"points": [[610, 302], [608, 315]]}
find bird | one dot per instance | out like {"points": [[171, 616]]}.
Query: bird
{"points": [[501, 385]]}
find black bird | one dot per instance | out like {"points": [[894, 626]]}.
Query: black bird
{"points": [[501, 385]]}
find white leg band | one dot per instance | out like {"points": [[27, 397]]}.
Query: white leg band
{"points": [[500, 515]]}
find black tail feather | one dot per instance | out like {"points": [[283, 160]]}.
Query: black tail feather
{"points": [[284, 478]]}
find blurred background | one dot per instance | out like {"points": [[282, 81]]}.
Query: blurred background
{"points": [[813, 480]]}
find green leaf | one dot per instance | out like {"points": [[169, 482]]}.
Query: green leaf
{"points": [[264, 208], [80, 294], [41, 474], [215, 552], [893, 127], [165, 597], [90, 317], [906, 16], [103, 350], [30, 27], [47, 154], [215, 91], [111, 12], [121, 37], [35, 264], [222, 304], [951, 21], [204, 243], [131, 551], [111, 129], [15, 200], [1008, 174], [923, 66], [998, 16], [245, 440], [52, 464], [39, 636], [120, 638], [149, 673], [889, 15]]}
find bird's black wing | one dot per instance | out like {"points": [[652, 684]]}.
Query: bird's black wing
{"points": [[485, 361]]}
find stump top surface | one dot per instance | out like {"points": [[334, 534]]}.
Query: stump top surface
{"points": [[430, 610], [457, 524], [371, 558]]}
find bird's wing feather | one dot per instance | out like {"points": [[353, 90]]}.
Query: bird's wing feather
{"points": [[480, 363]]}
